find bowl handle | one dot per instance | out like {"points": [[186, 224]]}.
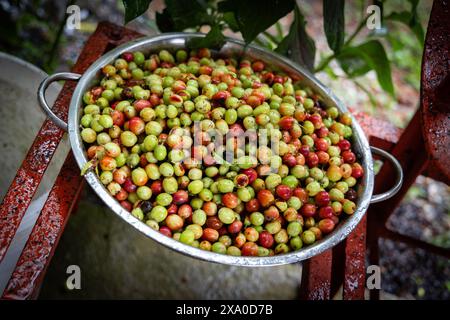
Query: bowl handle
{"points": [[398, 183], [41, 95]]}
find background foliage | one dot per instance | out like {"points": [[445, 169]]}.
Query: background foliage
{"points": [[32, 30], [252, 18]]}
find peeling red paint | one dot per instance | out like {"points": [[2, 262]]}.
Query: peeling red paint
{"points": [[26, 182]]}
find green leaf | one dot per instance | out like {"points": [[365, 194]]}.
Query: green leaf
{"points": [[279, 29], [330, 72], [370, 55], [164, 21], [183, 14], [230, 19], [297, 44], [372, 99], [334, 23], [255, 16], [420, 34], [407, 19], [214, 39], [264, 42], [226, 6], [414, 4], [403, 17], [353, 64], [134, 8], [410, 19]]}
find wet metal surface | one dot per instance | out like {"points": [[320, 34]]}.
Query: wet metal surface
{"points": [[25, 184], [435, 88], [44, 237], [355, 263], [316, 277], [374, 127]]}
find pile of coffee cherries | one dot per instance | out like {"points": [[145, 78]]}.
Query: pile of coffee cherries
{"points": [[165, 130]]}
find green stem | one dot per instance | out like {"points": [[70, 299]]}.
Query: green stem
{"points": [[271, 37], [264, 42], [372, 99], [325, 61], [356, 32], [259, 42], [59, 34], [279, 30]]}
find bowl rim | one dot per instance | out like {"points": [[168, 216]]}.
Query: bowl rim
{"points": [[179, 39]]}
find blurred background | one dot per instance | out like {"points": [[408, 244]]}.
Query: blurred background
{"points": [[118, 262]]}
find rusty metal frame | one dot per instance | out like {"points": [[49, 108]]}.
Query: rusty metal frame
{"points": [[423, 146], [39, 249]]}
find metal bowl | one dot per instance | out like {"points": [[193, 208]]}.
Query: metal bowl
{"points": [[232, 48]]}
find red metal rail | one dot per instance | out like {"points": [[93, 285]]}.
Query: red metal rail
{"points": [[316, 277], [44, 237], [39, 249], [435, 89], [355, 263], [30, 173]]}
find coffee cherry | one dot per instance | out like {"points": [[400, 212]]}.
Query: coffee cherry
{"points": [[249, 249], [230, 200], [266, 239], [283, 191], [265, 198], [308, 210], [326, 225], [322, 198]]}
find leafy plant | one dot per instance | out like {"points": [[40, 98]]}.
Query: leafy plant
{"points": [[252, 18], [298, 45]]}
